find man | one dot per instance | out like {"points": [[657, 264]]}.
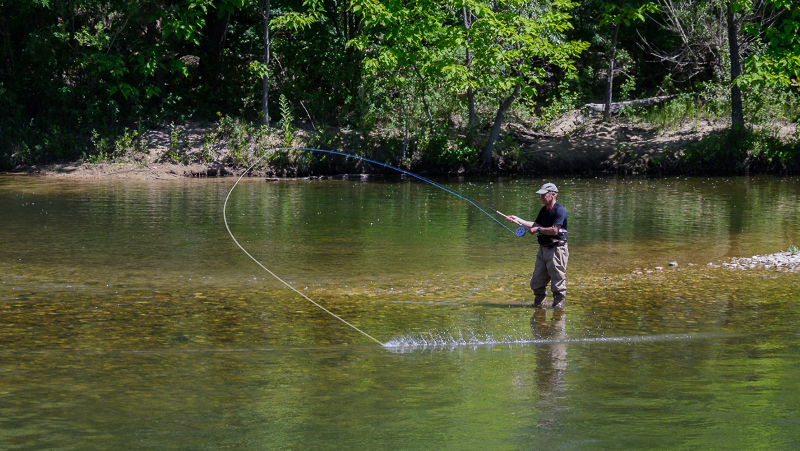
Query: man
{"points": [[551, 260]]}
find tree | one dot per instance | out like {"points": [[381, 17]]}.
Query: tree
{"points": [[737, 112], [264, 9], [779, 60], [699, 28], [498, 48], [615, 16], [705, 28], [412, 46], [468, 19], [514, 43]]}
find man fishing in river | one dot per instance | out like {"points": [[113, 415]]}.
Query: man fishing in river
{"points": [[551, 260]]}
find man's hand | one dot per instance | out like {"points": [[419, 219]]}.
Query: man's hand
{"points": [[510, 218], [518, 221]]}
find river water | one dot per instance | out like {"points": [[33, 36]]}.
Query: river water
{"points": [[129, 318]]}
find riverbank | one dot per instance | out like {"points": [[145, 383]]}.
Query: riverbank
{"points": [[574, 144]]}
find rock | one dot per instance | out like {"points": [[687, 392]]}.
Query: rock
{"points": [[673, 263]]}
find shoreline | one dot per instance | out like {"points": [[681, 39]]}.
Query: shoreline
{"points": [[575, 144]]}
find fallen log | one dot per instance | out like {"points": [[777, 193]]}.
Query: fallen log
{"points": [[525, 134], [616, 106]]}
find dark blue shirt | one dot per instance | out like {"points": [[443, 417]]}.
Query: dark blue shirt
{"points": [[548, 218]]}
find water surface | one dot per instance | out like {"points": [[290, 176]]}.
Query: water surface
{"points": [[129, 319]]}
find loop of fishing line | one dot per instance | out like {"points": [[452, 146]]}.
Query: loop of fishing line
{"points": [[477, 204], [225, 218]]}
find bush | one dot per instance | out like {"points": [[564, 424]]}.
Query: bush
{"points": [[742, 151]]}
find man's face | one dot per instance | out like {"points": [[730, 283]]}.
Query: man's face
{"points": [[546, 197]]}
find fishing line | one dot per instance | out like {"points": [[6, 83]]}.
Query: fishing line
{"points": [[225, 218], [477, 204]]}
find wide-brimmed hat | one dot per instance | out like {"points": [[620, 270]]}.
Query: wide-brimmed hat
{"points": [[547, 187]]}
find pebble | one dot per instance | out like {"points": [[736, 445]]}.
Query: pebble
{"points": [[780, 261]]}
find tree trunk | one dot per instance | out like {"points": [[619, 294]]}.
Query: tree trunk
{"points": [[151, 36], [610, 74], [424, 97], [471, 108], [468, 65], [405, 117], [486, 157], [353, 22], [265, 80], [737, 115], [215, 32], [7, 52]]}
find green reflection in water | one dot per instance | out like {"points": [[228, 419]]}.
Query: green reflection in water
{"points": [[128, 319]]}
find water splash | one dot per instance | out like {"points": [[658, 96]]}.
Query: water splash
{"points": [[447, 340]]}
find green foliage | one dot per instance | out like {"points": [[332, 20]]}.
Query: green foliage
{"points": [[626, 13], [628, 86], [741, 151], [129, 143], [564, 100], [207, 148], [99, 153], [286, 121], [241, 137], [778, 62], [438, 148], [417, 45], [86, 78], [449, 156], [173, 154], [512, 157], [792, 249], [766, 107], [673, 113]]}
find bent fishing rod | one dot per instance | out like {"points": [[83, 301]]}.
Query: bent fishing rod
{"points": [[486, 209]]}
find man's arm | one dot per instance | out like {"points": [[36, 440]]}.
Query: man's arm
{"points": [[547, 230], [519, 221]]}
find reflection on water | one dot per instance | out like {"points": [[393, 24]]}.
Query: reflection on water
{"points": [[128, 319], [551, 360]]}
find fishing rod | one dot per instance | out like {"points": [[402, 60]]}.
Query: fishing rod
{"points": [[476, 203], [520, 231]]}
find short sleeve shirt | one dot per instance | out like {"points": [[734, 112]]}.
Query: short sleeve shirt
{"points": [[548, 218]]}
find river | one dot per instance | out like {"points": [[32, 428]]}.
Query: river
{"points": [[129, 318]]}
